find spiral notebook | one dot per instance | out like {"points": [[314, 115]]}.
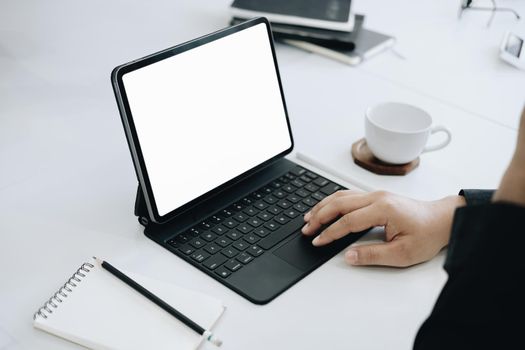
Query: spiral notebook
{"points": [[97, 310]]}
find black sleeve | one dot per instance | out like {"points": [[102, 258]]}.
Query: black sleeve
{"points": [[474, 197], [482, 305]]}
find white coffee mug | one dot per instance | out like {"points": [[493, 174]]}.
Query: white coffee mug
{"points": [[397, 133]]}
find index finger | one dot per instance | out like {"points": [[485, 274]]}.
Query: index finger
{"points": [[333, 209], [356, 221], [325, 201]]}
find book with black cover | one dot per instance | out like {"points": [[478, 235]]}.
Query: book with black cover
{"points": [[332, 38], [326, 14], [367, 44]]}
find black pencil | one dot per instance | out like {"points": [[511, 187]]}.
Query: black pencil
{"points": [[161, 303]]}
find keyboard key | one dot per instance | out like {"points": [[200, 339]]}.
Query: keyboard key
{"points": [[279, 194], [230, 252], [311, 187], [236, 207], [212, 248], [271, 225], [208, 236], [223, 272], [262, 232], [240, 245], [318, 196], [321, 181], [226, 213], [182, 238], [220, 230], [255, 222], [247, 201], [234, 235], [266, 190], [260, 205], [309, 202], [240, 217], [276, 184], [233, 265], [223, 241], [284, 180], [293, 198], [215, 261], [289, 176], [257, 195], [174, 243], [300, 207], [291, 213], [230, 223], [194, 232], [200, 256], [311, 175], [244, 258], [283, 232], [255, 250], [244, 228], [298, 171], [330, 188], [270, 199], [289, 188], [187, 250], [206, 225], [251, 238], [274, 210], [297, 183], [251, 211], [215, 219], [197, 242], [264, 216], [284, 204], [302, 193], [281, 219], [305, 178]]}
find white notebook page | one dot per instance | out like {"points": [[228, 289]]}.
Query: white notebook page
{"points": [[102, 312]]}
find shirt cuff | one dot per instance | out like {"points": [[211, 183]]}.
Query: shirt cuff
{"points": [[477, 197]]}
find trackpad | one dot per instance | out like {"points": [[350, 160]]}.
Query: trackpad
{"points": [[300, 253]]}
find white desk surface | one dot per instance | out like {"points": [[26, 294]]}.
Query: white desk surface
{"points": [[453, 60], [67, 184]]}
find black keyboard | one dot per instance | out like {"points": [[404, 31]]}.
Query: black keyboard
{"points": [[243, 231]]}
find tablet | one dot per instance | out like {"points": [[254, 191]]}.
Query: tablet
{"points": [[203, 115]]}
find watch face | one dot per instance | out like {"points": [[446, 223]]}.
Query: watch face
{"points": [[513, 45]]}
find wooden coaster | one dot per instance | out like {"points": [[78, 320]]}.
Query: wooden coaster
{"points": [[365, 159]]}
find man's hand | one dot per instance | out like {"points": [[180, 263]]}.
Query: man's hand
{"points": [[415, 230], [512, 187]]}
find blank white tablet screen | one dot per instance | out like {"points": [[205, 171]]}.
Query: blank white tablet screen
{"points": [[207, 115]]}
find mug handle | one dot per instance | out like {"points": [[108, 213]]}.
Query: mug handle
{"points": [[434, 130]]}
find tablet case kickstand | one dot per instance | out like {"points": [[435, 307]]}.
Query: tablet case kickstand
{"points": [[141, 211]]}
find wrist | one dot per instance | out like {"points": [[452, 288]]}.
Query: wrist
{"points": [[444, 210]]}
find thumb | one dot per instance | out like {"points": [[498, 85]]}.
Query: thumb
{"points": [[387, 254]]}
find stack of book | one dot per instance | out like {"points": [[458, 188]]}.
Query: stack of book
{"points": [[326, 27], [323, 22]]}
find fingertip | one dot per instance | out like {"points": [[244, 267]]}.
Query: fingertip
{"points": [[321, 240], [352, 257], [307, 216], [308, 229], [304, 230]]}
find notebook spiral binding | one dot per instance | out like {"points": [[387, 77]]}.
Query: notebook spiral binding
{"points": [[63, 291]]}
